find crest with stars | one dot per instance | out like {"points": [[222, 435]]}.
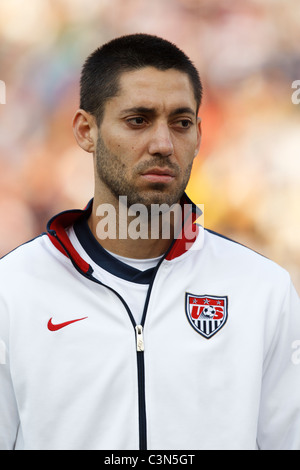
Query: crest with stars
{"points": [[206, 313]]}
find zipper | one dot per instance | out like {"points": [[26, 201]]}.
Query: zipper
{"points": [[139, 338], [140, 347]]}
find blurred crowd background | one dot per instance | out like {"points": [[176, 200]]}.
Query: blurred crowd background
{"points": [[247, 173]]}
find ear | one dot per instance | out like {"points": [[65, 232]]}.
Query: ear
{"points": [[199, 136], [85, 130]]}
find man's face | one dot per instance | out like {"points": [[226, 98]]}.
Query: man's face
{"points": [[148, 138]]}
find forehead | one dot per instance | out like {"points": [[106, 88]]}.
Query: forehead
{"points": [[150, 87]]}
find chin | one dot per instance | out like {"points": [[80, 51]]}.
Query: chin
{"points": [[156, 196]]}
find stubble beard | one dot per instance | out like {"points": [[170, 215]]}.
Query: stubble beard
{"points": [[111, 171]]}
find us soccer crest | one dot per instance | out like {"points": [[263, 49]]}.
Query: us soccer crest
{"points": [[206, 313]]}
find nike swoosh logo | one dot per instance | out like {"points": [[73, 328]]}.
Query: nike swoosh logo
{"points": [[58, 326]]}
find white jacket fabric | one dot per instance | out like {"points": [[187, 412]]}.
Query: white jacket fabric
{"points": [[213, 365]]}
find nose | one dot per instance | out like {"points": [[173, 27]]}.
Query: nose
{"points": [[160, 143]]}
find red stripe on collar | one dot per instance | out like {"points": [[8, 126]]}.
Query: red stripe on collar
{"points": [[56, 229]]}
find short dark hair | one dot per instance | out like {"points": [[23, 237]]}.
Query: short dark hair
{"points": [[102, 69]]}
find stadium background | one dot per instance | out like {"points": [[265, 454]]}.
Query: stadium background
{"points": [[247, 173]]}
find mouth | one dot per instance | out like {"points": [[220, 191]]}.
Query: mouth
{"points": [[159, 175]]}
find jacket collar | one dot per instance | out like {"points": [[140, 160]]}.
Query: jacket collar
{"points": [[57, 225]]}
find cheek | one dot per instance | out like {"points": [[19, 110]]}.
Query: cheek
{"points": [[112, 144], [186, 159], [185, 147], [118, 145]]}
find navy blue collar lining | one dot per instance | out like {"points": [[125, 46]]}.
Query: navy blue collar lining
{"points": [[104, 259]]}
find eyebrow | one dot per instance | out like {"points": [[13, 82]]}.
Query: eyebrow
{"points": [[153, 111]]}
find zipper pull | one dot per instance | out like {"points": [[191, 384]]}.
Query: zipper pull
{"points": [[139, 338]]}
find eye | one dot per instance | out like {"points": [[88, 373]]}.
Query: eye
{"points": [[137, 121], [183, 123]]}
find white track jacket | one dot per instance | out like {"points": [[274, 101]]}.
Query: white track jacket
{"points": [[214, 364]]}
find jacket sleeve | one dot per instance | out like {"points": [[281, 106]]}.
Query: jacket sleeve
{"points": [[279, 419], [9, 420]]}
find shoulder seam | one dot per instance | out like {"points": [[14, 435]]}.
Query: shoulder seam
{"points": [[234, 241], [22, 244]]}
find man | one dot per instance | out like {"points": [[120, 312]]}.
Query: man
{"points": [[111, 340]]}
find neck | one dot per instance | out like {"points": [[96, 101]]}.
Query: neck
{"points": [[134, 232]]}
